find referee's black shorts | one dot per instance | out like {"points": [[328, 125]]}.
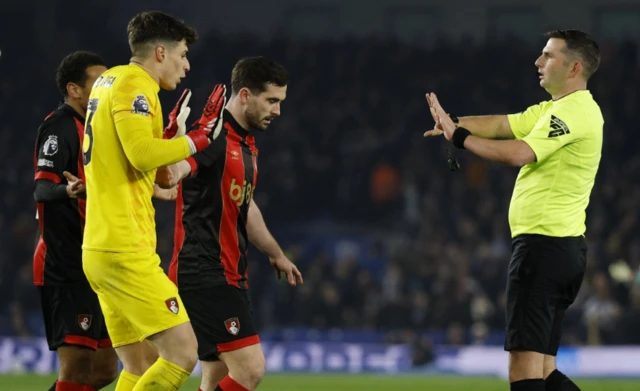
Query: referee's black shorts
{"points": [[545, 275]]}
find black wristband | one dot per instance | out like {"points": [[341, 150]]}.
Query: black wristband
{"points": [[459, 135]]}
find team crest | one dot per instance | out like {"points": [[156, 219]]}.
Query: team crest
{"points": [[172, 305], [140, 105], [50, 147], [84, 321], [232, 325]]}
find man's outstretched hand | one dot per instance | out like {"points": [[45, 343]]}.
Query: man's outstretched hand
{"points": [[444, 124], [75, 186]]}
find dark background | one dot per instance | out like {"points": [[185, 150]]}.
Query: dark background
{"points": [[392, 245]]}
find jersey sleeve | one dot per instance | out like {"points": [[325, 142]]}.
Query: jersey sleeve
{"points": [[522, 123], [54, 149], [554, 132], [134, 106]]}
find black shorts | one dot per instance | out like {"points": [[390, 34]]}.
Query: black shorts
{"points": [[222, 319], [545, 275], [72, 316]]}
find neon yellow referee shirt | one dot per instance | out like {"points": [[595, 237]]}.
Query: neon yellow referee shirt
{"points": [[551, 194]]}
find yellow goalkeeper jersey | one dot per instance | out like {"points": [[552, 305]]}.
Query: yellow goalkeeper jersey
{"points": [[122, 149]]}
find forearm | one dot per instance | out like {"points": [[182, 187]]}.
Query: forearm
{"points": [[512, 152], [259, 235], [46, 191], [145, 152], [169, 176], [487, 126]]}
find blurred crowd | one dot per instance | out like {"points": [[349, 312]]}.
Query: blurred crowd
{"points": [[389, 240]]}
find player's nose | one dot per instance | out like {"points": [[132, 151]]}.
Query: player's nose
{"points": [[276, 110], [538, 62]]}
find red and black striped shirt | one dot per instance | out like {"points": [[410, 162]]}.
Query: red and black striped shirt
{"points": [[210, 241], [58, 256]]}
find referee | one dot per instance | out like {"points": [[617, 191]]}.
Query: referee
{"points": [[558, 144]]}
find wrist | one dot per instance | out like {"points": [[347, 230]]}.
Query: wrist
{"points": [[459, 137], [198, 140], [193, 164], [278, 255], [455, 119]]}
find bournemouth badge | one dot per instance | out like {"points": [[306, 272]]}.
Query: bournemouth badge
{"points": [[84, 321], [232, 325], [172, 305]]}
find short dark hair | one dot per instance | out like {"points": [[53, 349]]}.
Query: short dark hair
{"points": [[154, 27], [583, 45], [255, 73], [73, 69]]}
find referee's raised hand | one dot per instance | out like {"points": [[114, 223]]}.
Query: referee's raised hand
{"points": [[437, 128], [444, 124]]}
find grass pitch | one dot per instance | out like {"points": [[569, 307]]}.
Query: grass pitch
{"points": [[331, 382]]}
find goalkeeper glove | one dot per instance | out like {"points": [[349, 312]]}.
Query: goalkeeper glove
{"points": [[211, 121], [178, 116], [208, 127]]}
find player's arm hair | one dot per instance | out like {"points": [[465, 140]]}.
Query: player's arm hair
{"points": [[259, 234], [47, 190], [488, 126], [169, 176], [145, 152]]}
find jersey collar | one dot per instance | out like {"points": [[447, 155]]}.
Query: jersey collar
{"points": [[574, 93], [242, 132], [139, 69], [71, 111]]}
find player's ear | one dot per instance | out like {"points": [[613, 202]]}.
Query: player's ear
{"points": [[73, 90], [244, 95], [160, 53]]}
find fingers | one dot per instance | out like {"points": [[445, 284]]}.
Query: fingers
{"points": [[169, 194], [433, 132], [70, 177], [291, 279], [186, 95], [434, 114], [184, 114], [77, 187], [298, 275], [213, 103], [434, 103], [180, 104], [221, 99], [75, 183], [434, 99]]}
